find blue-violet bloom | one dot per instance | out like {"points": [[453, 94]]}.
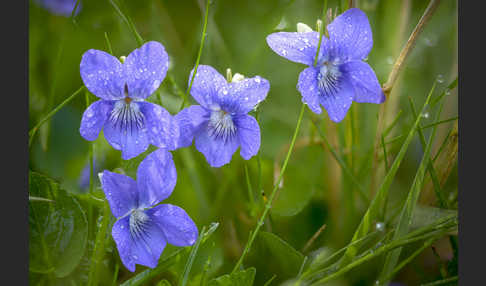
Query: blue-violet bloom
{"points": [[341, 75], [60, 7], [142, 229], [129, 123], [221, 124]]}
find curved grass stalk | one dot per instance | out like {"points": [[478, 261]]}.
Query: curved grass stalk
{"points": [[201, 45], [33, 131], [412, 40], [268, 205]]}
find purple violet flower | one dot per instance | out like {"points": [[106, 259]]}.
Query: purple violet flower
{"points": [[129, 123], [60, 7], [341, 75], [143, 228], [221, 124]]}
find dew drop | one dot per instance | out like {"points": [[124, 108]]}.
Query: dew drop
{"points": [[380, 226], [440, 78]]}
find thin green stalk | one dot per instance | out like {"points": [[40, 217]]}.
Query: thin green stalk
{"points": [[321, 32], [270, 280], [74, 12], [377, 203], [398, 66], [387, 168], [431, 169], [434, 235], [272, 195], [115, 274], [409, 207], [108, 44], [442, 282], [250, 190], [390, 127], [192, 256], [259, 158], [341, 162], [409, 259], [39, 199], [201, 45], [129, 22], [33, 131], [99, 247], [442, 146], [439, 122]]}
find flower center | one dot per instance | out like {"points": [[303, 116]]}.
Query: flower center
{"points": [[126, 115], [221, 125], [138, 223], [328, 78]]}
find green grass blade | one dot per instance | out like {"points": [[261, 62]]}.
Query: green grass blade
{"points": [[337, 157], [409, 207], [192, 256], [446, 281], [377, 203]]}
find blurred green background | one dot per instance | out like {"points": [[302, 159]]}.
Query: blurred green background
{"points": [[314, 191]]}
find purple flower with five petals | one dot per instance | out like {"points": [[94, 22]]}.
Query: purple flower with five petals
{"points": [[129, 123], [142, 229], [221, 124], [341, 76]]}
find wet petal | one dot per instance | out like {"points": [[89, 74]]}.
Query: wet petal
{"points": [[206, 86], [102, 74], [162, 130], [295, 46], [244, 95], [366, 85], [146, 67], [144, 249], [177, 226], [218, 152], [249, 135], [307, 86], [190, 121], [350, 35], [337, 105], [126, 133], [156, 178], [93, 119], [120, 191]]}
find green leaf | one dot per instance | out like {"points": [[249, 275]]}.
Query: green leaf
{"points": [[286, 261], [299, 187], [239, 278], [57, 231], [164, 282]]}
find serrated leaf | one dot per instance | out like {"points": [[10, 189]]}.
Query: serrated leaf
{"points": [[240, 278], [57, 231]]}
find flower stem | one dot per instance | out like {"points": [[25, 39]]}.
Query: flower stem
{"points": [[321, 32], [272, 195], [54, 111], [198, 55], [129, 22], [397, 67]]}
